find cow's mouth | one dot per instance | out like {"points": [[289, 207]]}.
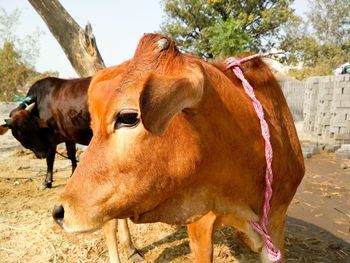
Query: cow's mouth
{"points": [[58, 216]]}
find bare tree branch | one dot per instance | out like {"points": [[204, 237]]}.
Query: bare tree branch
{"points": [[78, 44]]}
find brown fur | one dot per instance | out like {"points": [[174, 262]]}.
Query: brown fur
{"points": [[199, 159], [3, 128]]}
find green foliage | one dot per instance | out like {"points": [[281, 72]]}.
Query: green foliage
{"points": [[320, 44], [227, 38], [17, 57], [26, 47], [8, 24], [185, 21], [330, 20], [16, 77], [13, 72], [191, 24], [323, 67]]}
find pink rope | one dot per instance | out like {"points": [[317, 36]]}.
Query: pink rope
{"points": [[273, 253]]}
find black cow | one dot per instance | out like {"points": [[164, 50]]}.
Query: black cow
{"points": [[54, 111]]}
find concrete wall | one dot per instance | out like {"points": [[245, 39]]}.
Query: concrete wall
{"points": [[324, 103], [294, 92], [327, 109]]}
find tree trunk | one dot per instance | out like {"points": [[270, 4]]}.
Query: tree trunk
{"points": [[79, 45]]}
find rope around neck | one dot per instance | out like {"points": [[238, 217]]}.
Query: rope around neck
{"points": [[24, 101], [273, 253]]}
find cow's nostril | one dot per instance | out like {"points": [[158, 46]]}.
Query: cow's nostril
{"points": [[58, 214]]}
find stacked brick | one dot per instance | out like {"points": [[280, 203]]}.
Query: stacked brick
{"points": [[310, 104], [294, 93], [327, 109]]}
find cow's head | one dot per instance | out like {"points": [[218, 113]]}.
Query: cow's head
{"points": [[31, 131], [146, 148]]}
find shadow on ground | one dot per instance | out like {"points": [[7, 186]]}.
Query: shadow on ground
{"points": [[304, 242]]}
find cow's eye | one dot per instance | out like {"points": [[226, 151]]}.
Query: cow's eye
{"points": [[126, 118]]}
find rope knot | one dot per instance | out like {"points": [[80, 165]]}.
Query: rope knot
{"points": [[232, 62]]}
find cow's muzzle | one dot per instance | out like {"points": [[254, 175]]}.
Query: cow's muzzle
{"points": [[58, 214]]}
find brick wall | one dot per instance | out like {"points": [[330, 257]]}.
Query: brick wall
{"points": [[326, 107], [294, 92]]}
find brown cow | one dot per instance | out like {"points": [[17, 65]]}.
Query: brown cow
{"points": [[101, 95], [179, 142]]}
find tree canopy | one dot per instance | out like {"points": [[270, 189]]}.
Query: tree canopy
{"points": [[78, 44], [208, 28], [315, 45], [26, 47], [17, 57], [321, 43], [13, 72]]}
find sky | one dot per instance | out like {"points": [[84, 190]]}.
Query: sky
{"points": [[117, 25]]}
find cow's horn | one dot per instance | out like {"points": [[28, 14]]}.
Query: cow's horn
{"points": [[8, 121], [30, 107], [163, 43]]}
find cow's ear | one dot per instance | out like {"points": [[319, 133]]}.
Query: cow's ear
{"points": [[42, 124], [3, 128], [163, 97]]}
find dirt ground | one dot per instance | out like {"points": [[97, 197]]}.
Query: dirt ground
{"points": [[318, 222]]}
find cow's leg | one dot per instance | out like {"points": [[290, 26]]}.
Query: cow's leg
{"points": [[276, 228], [244, 231], [126, 242], [201, 235], [49, 162], [253, 239], [110, 230], [71, 151]]}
